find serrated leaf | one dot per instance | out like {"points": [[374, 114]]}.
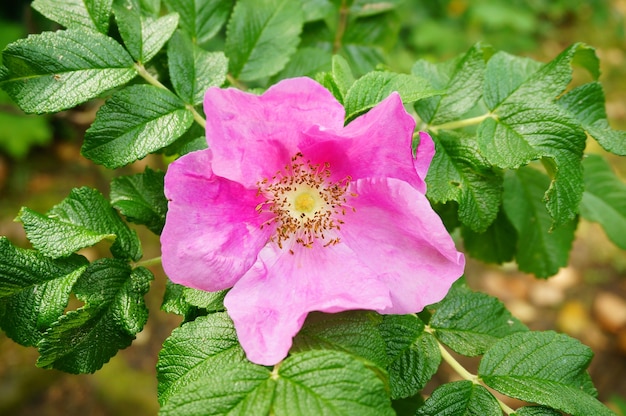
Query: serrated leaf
{"points": [[89, 14], [586, 104], [497, 244], [34, 290], [342, 74], [211, 301], [193, 70], [134, 122], [462, 81], [413, 354], [471, 322], [140, 198], [504, 74], [459, 173], [81, 220], [197, 351], [201, 19], [261, 37], [354, 332], [460, 398], [544, 368], [82, 341], [604, 199], [174, 302], [374, 87], [536, 411], [54, 71], [541, 249], [308, 383], [144, 36]]}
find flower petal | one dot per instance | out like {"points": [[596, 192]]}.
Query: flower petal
{"points": [[213, 233], [423, 157], [269, 304], [399, 236], [254, 136]]}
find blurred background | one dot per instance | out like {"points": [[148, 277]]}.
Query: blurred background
{"points": [[40, 163]]}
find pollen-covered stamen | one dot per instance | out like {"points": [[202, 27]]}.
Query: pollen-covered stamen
{"points": [[306, 205]]}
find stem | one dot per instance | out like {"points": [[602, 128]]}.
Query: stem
{"points": [[235, 83], [149, 262], [460, 123], [344, 11], [196, 116]]}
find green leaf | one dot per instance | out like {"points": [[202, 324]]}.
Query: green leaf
{"points": [[413, 354], [497, 244], [317, 9], [460, 398], [82, 341], [195, 352], [211, 301], [134, 122], [144, 36], [462, 81], [541, 249], [471, 322], [81, 220], [54, 71], [34, 290], [306, 62], [86, 14], [193, 70], [544, 368], [314, 382], [342, 75], [536, 411], [372, 7], [174, 302], [374, 87], [140, 198], [21, 132], [586, 104], [504, 74], [354, 332], [459, 173], [201, 19], [261, 37], [604, 199]]}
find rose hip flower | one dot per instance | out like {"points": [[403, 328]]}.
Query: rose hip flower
{"points": [[297, 213]]}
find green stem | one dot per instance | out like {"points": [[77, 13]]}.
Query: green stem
{"points": [[460, 123], [196, 116], [149, 262], [344, 12]]}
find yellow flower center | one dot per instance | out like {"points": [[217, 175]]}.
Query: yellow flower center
{"points": [[304, 202]]}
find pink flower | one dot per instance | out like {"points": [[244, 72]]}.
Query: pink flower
{"points": [[297, 213]]}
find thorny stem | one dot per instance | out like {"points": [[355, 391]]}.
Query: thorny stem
{"points": [[466, 375], [344, 11], [149, 262], [141, 70], [460, 123]]}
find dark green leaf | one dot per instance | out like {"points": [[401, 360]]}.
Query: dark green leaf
{"points": [[82, 341], [174, 302], [34, 290], [197, 352], [413, 354], [604, 199], [460, 398], [211, 301], [374, 87], [144, 36], [193, 70], [536, 411], [80, 220], [140, 198], [89, 14], [261, 37], [544, 368], [586, 104], [497, 244], [471, 322], [54, 71], [134, 122], [201, 19], [354, 332], [459, 173], [541, 249]]}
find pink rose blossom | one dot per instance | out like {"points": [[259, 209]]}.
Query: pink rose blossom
{"points": [[297, 213]]}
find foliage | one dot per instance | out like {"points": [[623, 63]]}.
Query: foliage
{"points": [[510, 172]]}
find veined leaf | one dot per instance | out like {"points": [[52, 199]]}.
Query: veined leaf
{"points": [[201, 19], [460, 398], [89, 14]]}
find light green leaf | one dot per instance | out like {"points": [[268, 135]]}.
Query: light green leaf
{"points": [[211, 301], [82, 341], [140, 198], [374, 87], [536, 411], [34, 290], [81, 220], [86, 14], [317, 9], [471, 322], [342, 74], [261, 37], [504, 74], [54, 71], [544, 368], [201, 19], [134, 122], [541, 249], [193, 70], [363, 8], [604, 199], [306, 62], [413, 354], [460, 398]]}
